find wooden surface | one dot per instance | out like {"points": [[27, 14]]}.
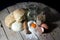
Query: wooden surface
{"points": [[7, 34]]}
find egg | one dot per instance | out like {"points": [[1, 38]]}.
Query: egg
{"points": [[32, 26], [40, 29], [44, 25], [16, 26]]}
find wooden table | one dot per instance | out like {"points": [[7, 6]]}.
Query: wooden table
{"points": [[7, 34]]}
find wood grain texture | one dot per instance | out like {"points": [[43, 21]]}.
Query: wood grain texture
{"points": [[56, 32], [2, 34], [20, 5], [54, 35], [24, 5]]}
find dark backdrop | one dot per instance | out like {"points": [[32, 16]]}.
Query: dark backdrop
{"points": [[52, 3]]}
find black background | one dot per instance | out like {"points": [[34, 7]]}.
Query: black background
{"points": [[51, 3]]}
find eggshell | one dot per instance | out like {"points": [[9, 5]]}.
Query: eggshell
{"points": [[32, 30], [16, 26], [44, 26], [40, 30]]}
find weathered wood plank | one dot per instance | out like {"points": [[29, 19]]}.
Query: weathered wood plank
{"points": [[15, 36], [20, 5], [10, 34], [56, 32], [2, 34], [51, 36], [47, 36], [23, 5], [23, 35]]}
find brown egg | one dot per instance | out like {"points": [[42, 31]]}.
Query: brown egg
{"points": [[44, 25]]}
